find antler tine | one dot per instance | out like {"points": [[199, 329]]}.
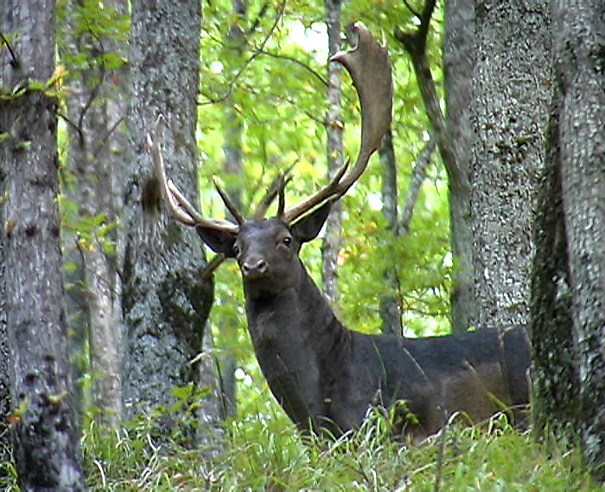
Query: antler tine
{"points": [[327, 192], [178, 206], [229, 204], [370, 70], [275, 188], [281, 204]]}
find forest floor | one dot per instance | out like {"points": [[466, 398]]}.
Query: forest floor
{"points": [[267, 453]]}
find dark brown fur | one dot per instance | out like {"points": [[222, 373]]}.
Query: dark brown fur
{"points": [[326, 376]]}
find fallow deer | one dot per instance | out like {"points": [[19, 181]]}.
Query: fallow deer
{"points": [[324, 375]]}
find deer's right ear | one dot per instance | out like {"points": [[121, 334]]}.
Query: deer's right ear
{"points": [[308, 227], [219, 241]]}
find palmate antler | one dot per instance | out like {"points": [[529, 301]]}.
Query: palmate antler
{"points": [[370, 69]]}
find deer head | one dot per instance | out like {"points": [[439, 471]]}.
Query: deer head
{"points": [[370, 69]]}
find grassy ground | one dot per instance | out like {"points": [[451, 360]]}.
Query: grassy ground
{"points": [[266, 453]]}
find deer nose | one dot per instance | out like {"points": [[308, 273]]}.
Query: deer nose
{"points": [[254, 268]]}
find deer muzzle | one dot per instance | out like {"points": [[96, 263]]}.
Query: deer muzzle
{"points": [[254, 268]]}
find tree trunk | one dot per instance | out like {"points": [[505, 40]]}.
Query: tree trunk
{"points": [[390, 305], [420, 167], [165, 300], [5, 403], [46, 443], [331, 242], [96, 107], [510, 87], [555, 378], [578, 40], [390, 312], [77, 318], [458, 63]]}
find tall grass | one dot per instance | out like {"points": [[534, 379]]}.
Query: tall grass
{"points": [[265, 452]]}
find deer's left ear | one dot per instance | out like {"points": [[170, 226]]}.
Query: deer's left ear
{"points": [[307, 228], [218, 240]]}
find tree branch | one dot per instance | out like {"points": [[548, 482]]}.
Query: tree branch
{"points": [[415, 45], [414, 189], [416, 41], [296, 61], [252, 57], [407, 4], [15, 63]]}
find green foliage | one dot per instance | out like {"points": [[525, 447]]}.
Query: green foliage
{"points": [[419, 259], [85, 32], [8, 471], [278, 94], [275, 82], [88, 36], [91, 231]]}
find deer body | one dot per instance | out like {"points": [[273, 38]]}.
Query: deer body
{"points": [[327, 377], [324, 375]]}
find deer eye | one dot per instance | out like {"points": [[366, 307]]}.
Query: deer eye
{"points": [[286, 241], [236, 250]]}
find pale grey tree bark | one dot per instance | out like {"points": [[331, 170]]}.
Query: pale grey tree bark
{"points": [[5, 445], [96, 111], [509, 111], [458, 63], [330, 248], [577, 290], [165, 300], [46, 443]]}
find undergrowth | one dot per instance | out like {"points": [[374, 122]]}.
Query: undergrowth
{"points": [[265, 452]]}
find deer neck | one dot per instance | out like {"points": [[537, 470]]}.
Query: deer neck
{"points": [[296, 337], [295, 315]]}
